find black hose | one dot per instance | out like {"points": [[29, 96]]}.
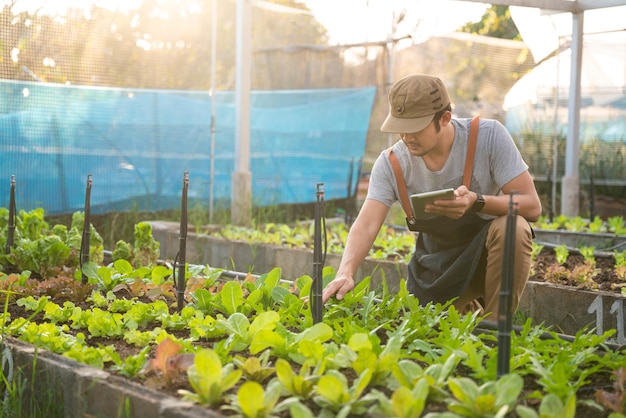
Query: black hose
{"points": [[182, 247], [86, 237], [11, 226]]}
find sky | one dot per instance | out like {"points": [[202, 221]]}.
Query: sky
{"points": [[354, 21], [347, 21]]}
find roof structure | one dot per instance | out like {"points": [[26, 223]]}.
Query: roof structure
{"points": [[570, 6]]}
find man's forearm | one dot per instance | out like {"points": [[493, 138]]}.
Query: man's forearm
{"points": [[358, 246]]}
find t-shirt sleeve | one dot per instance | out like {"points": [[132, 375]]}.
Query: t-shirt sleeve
{"points": [[382, 181], [507, 161]]}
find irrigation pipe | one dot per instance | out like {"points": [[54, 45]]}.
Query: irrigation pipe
{"points": [[603, 252]]}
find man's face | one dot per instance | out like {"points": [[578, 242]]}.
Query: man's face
{"points": [[422, 142]]}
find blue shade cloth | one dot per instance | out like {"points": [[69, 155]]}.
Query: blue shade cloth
{"points": [[137, 144]]}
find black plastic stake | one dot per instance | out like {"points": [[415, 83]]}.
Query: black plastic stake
{"points": [[316, 286], [505, 310], [592, 195], [182, 247], [11, 226], [84, 243], [550, 196], [349, 198]]}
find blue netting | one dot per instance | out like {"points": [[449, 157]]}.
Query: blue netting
{"points": [[137, 144]]}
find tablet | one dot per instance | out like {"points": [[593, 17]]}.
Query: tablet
{"points": [[419, 200]]}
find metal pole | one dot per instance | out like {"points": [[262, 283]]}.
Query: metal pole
{"points": [[11, 226], [241, 202], [555, 139], [182, 246], [316, 286], [570, 193], [212, 95], [84, 244], [505, 314], [390, 63]]}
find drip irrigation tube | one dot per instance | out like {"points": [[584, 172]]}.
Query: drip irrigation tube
{"points": [[603, 252]]}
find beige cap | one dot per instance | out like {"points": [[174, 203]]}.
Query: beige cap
{"points": [[413, 102]]}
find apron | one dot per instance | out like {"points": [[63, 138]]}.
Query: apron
{"points": [[447, 255], [447, 251]]}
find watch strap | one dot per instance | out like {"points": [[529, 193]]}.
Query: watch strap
{"points": [[479, 204]]}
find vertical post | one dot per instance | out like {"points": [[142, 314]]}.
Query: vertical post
{"points": [[241, 202], [505, 314], [390, 63], [84, 244], [555, 139], [181, 261], [570, 188], [11, 226], [212, 94], [316, 286], [592, 195]]}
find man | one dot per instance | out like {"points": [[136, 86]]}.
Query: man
{"points": [[459, 249]]}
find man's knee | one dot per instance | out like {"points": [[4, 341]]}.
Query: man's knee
{"points": [[497, 230]]}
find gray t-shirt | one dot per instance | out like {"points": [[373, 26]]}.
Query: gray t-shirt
{"points": [[497, 161]]}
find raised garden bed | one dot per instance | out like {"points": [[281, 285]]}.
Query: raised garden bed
{"points": [[377, 353], [563, 304], [368, 358]]}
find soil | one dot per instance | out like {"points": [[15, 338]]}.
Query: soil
{"points": [[578, 273]]}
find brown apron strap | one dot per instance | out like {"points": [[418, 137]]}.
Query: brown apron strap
{"points": [[404, 195], [471, 151], [467, 174]]}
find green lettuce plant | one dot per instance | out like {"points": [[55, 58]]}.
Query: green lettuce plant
{"points": [[493, 398], [209, 378]]}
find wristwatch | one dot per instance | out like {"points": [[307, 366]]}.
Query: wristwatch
{"points": [[479, 203]]}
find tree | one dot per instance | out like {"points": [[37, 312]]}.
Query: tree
{"points": [[162, 44], [496, 22]]}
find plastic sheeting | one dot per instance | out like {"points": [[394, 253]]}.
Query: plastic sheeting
{"points": [[137, 144], [538, 102]]}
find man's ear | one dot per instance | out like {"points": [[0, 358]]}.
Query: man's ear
{"points": [[446, 118]]}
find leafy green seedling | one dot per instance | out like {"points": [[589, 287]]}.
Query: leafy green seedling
{"points": [[588, 253], [597, 225], [407, 403], [617, 225], [336, 395], [620, 265], [255, 402], [551, 407], [490, 399], [241, 332], [576, 224], [253, 368], [209, 379], [131, 365], [299, 385], [561, 252]]}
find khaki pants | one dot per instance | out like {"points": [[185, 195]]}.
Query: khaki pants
{"points": [[483, 292]]}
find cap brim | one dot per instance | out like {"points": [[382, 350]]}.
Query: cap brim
{"points": [[405, 126]]}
